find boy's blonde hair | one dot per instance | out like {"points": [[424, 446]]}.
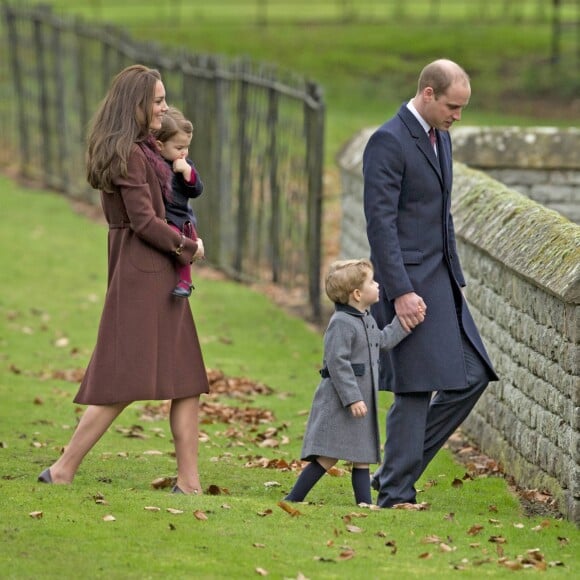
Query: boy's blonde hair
{"points": [[344, 276], [173, 122]]}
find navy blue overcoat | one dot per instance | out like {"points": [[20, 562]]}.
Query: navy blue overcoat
{"points": [[407, 201]]}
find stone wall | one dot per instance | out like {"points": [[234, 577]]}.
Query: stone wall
{"points": [[522, 265], [543, 163]]}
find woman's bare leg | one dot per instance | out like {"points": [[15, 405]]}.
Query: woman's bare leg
{"points": [[184, 419], [93, 424]]}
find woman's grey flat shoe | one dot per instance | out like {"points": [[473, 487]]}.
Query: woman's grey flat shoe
{"points": [[45, 477]]}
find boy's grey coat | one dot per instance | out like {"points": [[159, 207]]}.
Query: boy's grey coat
{"points": [[351, 339]]}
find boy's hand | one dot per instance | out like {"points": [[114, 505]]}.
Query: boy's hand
{"points": [[358, 409], [410, 309]]}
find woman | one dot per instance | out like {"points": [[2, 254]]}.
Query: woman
{"points": [[147, 346]]}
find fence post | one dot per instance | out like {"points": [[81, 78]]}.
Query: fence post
{"points": [[60, 125], [272, 121], [244, 193], [24, 133], [314, 115], [41, 49]]}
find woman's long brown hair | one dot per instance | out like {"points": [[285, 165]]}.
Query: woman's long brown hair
{"points": [[122, 119]]}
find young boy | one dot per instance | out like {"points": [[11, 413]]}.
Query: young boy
{"points": [[173, 140], [343, 421]]}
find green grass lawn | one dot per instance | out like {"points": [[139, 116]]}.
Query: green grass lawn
{"points": [[53, 281], [368, 66]]}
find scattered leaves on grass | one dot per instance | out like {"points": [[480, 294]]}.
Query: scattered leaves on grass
{"points": [[257, 545], [393, 545], [347, 554], [152, 508], [234, 386], [109, 518], [497, 540], [533, 559], [174, 511], [289, 509], [457, 483], [200, 515], [261, 572], [272, 484], [265, 513], [36, 515], [267, 463]]}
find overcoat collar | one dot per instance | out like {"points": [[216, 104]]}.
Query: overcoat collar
{"points": [[348, 309], [421, 139]]}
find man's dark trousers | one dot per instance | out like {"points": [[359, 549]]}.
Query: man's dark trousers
{"points": [[421, 424]]}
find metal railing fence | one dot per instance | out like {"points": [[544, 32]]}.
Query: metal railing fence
{"points": [[258, 137]]}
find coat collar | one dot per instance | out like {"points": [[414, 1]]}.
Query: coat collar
{"points": [[347, 309], [421, 138]]}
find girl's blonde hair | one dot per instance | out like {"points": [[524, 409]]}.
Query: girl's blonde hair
{"points": [[174, 122], [122, 119], [344, 276]]}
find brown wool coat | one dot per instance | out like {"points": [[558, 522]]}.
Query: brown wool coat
{"points": [[147, 345]]}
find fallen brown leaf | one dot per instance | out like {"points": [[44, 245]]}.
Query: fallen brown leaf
{"points": [[289, 509], [261, 572], [163, 482], [199, 515], [109, 518], [431, 540], [413, 507], [474, 530], [393, 545], [36, 515], [354, 529]]}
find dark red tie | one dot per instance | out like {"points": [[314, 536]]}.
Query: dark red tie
{"points": [[432, 137]]}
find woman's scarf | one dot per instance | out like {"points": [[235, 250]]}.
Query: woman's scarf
{"points": [[161, 168]]}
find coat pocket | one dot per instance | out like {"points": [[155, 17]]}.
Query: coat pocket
{"points": [[412, 256], [146, 258], [357, 368]]}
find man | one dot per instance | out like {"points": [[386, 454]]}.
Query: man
{"points": [[439, 372]]}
